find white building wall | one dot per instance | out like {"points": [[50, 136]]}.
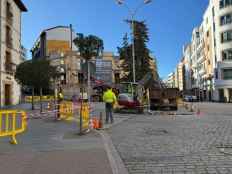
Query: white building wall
{"points": [[63, 34], [187, 63], [15, 51], [220, 64]]}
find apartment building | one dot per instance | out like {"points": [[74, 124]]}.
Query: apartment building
{"points": [[181, 75], [10, 49], [187, 67], [208, 58], [170, 82], [222, 15], [54, 41]]}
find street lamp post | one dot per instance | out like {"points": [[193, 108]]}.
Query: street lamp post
{"points": [[132, 14]]}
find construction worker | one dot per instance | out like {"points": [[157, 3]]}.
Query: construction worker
{"points": [[110, 99], [60, 99]]}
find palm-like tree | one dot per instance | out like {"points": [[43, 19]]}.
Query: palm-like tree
{"points": [[89, 47]]}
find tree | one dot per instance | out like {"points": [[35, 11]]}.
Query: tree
{"points": [[142, 53], [89, 47], [125, 54], [36, 74]]}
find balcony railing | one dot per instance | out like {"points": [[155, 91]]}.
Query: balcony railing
{"points": [[10, 68], [9, 17]]}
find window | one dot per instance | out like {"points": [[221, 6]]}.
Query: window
{"points": [[227, 74], [226, 36], [9, 14], [8, 37], [8, 64], [227, 55], [216, 73], [226, 19], [225, 3]]}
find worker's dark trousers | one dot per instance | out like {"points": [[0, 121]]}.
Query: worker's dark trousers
{"points": [[109, 112]]}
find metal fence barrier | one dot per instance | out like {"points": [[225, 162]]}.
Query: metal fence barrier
{"points": [[12, 122], [69, 112], [28, 99], [85, 113], [66, 110]]}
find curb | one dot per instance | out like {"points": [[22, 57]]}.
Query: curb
{"points": [[115, 160]]}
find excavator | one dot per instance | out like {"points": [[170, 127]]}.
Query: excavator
{"points": [[150, 92]]}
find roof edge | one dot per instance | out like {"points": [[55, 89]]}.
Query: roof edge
{"points": [[20, 4]]}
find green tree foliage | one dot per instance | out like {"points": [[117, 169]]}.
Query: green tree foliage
{"points": [[36, 74], [89, 46], [142, 58], [125, 53]]}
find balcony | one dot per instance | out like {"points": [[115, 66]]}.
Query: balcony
{"points": [[10, 68], [201, 59], [225, 64], [9, 17], [202, 72], [223, 83]]}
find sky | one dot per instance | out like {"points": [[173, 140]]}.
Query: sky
{"points": [[170, 23]]}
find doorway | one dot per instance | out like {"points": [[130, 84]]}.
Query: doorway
{"points": [[230, 95], [7, 94], [221, 95]]}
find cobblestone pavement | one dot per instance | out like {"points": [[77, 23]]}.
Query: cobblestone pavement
{"points": [[181, 144]]}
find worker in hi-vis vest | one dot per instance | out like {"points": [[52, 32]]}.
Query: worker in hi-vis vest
{"points": [[110, 99]]}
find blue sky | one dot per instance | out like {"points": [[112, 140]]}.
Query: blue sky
{"points": [[170, 23]]}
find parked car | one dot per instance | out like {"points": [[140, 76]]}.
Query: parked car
{"points": [[194, 98], [187, 98], [190, 98]]}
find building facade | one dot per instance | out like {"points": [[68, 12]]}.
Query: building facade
{"points": [[54, 41], [10, 50], [222, 15], [208, 58]]}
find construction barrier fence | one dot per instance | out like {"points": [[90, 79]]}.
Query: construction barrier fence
{"points": [[12, 122], [28, 99], [69, 111]]}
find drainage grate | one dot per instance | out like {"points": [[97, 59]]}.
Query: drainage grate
{"points": [[225, 149], [156, 132]]}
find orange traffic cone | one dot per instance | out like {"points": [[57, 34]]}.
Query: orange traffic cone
{"points": [[100, 122]]}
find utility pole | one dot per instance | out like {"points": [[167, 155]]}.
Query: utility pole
{"points": [[71, 37]]}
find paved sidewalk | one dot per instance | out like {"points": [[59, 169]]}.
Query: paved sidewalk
{"points": [[52, 147]]}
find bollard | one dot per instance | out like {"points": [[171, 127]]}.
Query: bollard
{"points": [[198, 111]]}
